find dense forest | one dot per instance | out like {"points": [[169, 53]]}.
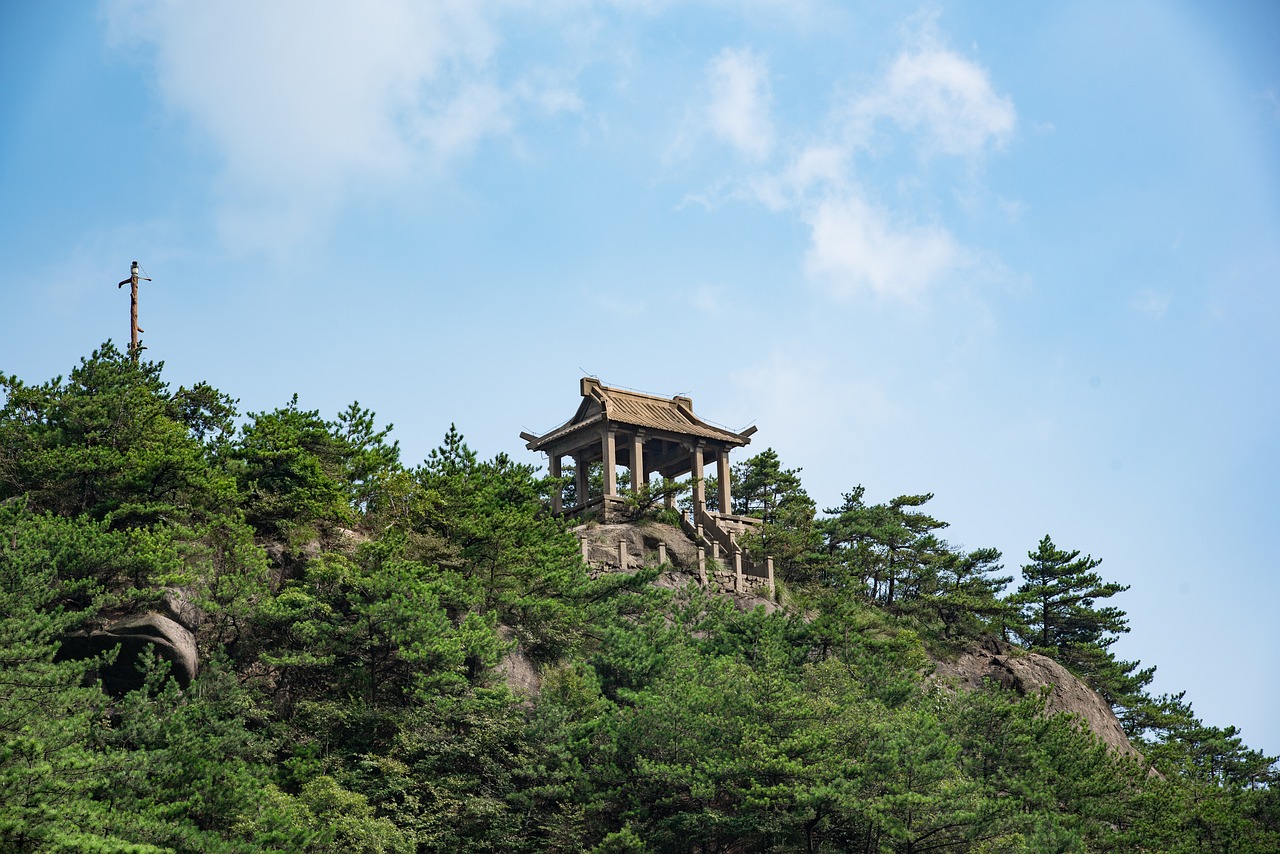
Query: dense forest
{"points": [[353, 611]]}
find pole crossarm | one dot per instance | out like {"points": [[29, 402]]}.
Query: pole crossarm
{"points": [[135, 345]]}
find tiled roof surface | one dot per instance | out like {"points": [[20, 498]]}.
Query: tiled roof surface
{"points": [[563, 430], [638, 410], [642, 410]]}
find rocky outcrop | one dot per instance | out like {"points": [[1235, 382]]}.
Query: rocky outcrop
{"points": [[286, 561], [990, 661], [151, 632], [1003, 664], [516, 668], [642, 544], [645, 542], [178, 604]]}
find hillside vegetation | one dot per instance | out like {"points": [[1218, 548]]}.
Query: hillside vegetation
{"points": [[351, 611]]}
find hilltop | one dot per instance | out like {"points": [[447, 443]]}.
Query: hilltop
{"points": [[227, 632], [986, 663]]}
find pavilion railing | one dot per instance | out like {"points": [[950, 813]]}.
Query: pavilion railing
{"points": [[706, 526]]}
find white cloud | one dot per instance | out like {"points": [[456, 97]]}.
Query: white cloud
{"points": [[554, 100], [945, 98], [305, 100], [855, 247], [708, 299], [944, 104], [1152, 303], [464, 119], [550, 91], [816, 167], [295, 90], [740, 96]]}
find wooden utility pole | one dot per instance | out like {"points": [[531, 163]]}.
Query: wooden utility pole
{"points": [[134, 346]]}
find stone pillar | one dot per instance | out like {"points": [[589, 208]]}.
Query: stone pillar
{"points": [[739, 583], [622, 555], [699, 483], [580, 480], [586, 550], [662, 552], [702, 565], [768, 563], [723, 474], [637, 461], [553, 469], [671, 496], [608, 449]]}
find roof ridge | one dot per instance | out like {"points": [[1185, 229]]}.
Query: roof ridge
{"points": [[629, 390], [624, 405], [644, 395]]}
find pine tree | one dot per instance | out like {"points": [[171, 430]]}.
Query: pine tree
{"points": [[966, 595], [1057, 602], [112, 441], [764, 489], [1059, 618], [887, 546], [292, 472]]}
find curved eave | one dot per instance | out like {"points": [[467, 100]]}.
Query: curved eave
{"points": [[694, 432]]}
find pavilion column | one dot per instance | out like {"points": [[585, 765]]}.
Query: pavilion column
{"points": [[608, 447], [553, 469], [637, 462], [581, 482], [723, 475], [699, 483]]}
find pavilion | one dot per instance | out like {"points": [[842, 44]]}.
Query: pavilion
{"points": [[646, 435], [650, 435]]}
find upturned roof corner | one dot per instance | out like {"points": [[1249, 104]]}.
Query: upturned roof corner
{"points": [[672, 417]]}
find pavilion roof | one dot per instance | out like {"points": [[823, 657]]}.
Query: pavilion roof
{"points": [[621, 406]]}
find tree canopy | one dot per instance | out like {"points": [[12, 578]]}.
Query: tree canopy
{"points": [[355, 617]]}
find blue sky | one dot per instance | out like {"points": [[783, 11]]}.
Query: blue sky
{"points": [[1023, 256]]}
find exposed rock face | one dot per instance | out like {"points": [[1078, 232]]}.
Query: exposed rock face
{"points": [[178, 604], [991, 659], [1026, 673], [643, 541], [520, 673], [287, 561], [135, 634]]}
